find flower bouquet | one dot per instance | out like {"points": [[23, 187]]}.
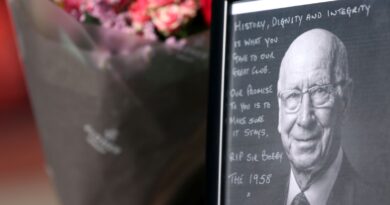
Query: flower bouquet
{"points": [[118, 90]]}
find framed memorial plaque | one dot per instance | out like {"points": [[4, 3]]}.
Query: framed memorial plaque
{"points": [[300, 103]]}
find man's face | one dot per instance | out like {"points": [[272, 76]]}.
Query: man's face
{"points": [[310, 133]]}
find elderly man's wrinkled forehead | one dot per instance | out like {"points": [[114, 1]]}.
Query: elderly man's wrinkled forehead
{"points": [[316, 53]]}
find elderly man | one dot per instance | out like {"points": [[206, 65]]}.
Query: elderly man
{"points": [[314, 90]]}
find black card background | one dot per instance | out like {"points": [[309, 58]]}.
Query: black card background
{"points": [[365, 134]]}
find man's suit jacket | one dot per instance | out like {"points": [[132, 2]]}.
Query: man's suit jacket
{"points": [[349, 189]]}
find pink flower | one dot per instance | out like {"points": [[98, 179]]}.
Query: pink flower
{"points": [[118, 5], [73, 7], [87, 6], [154, 4], [139, 14], [72, 4], [189, 8], [167, 16], [112, 2], [168, 19]]}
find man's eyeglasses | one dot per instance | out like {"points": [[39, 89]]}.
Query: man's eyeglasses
{"points": [[320, 96]]}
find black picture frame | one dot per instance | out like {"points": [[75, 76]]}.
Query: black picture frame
{"points": [[214, 103], [365, 36]]}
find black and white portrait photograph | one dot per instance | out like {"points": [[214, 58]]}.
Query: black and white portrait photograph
{"points": [[307, 103]]}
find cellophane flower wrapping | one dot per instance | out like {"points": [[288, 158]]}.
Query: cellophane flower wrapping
{"points": [[121, 118]]}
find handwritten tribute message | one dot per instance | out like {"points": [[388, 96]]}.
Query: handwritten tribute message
{"points": [[257, 46]]}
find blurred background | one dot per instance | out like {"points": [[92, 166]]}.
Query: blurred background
{"points": [[23, 179]]}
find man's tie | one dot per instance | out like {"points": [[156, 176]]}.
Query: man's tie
{"points": [[300, 199]]}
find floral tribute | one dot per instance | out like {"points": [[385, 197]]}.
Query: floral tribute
{"points": [[153, 19]]}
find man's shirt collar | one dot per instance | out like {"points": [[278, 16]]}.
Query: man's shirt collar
{"points": [[318, 193]]}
